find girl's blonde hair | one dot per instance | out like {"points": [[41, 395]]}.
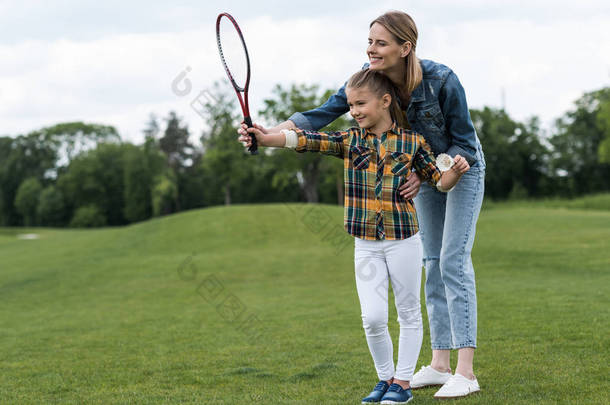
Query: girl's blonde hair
{"points": [[403, 28], [380, 85]]}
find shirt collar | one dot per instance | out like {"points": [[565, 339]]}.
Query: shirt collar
{"points": [[394, 129]]}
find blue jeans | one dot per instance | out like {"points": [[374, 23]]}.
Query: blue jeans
{"points": [[447, 223]]}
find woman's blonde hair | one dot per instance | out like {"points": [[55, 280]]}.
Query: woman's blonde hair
{"points": [[403, 28], [380, 85]]}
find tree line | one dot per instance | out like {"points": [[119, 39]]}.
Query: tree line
{"points": [[84, 175]]}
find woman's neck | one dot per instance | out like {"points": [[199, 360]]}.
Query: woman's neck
{"points": [[397, 74]]}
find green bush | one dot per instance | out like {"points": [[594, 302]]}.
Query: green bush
{"points": [[51, 207], [596, 202], [599, 202], [164, 194], [26, 200], [88, 216]]}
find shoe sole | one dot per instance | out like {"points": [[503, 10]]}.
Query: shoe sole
{"points": [[459, 396], [392, 402], [426, 386]]}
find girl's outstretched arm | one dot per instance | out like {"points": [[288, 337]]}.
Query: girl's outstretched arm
{"points": [[328, 143], [270, 139], [243, 129]]}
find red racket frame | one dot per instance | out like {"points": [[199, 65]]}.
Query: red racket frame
{"points": [[243, 101]]}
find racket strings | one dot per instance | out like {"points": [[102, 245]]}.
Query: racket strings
{"points": [[233, 52]]}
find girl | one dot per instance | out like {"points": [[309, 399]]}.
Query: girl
{"points": [[377, 158], [435, 105]]}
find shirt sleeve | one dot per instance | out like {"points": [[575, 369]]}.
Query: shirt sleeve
{"points": [[328, 143], [452, 100], [425, 163]]}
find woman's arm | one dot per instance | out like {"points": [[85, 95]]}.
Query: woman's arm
{"points": [[409, 190], [452, 100], [311, 120], [319, 117]]}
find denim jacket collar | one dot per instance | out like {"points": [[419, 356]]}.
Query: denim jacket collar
{"points": [[418, 94]]}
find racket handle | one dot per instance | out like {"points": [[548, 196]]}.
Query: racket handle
{"points": [[253, 149]]}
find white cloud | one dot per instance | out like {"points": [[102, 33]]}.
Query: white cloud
{"points": [[119, 73], [539, 66]]}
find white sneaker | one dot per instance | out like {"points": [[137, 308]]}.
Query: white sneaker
{"points": [[428, 376], [457, 386]]}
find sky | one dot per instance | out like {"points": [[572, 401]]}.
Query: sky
{"points": [[117, 62]]}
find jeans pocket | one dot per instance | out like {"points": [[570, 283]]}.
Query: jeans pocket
{"points": [[480, 156]]}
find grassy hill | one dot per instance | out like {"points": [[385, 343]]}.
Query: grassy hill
{"points": [[257, 304]]}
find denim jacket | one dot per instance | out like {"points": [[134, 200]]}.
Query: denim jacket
{"points": [[437, 110]]}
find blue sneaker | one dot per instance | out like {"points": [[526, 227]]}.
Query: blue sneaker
{"points": [[397, 395], [377, 393]]}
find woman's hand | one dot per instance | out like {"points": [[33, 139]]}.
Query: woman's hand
{"points": [[410, 189], [460, 165], [257, 131]]}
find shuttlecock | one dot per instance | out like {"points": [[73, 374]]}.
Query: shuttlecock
{"points": [[444, 162]]}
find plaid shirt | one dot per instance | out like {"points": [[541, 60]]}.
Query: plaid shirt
{"points": [[374, 170]]}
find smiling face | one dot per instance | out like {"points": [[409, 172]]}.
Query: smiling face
{"points": [[384, 52], [369, 110]]}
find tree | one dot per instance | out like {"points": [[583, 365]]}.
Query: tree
{"points": [[96, 177], [224, 158], [152, 128], [603, 123], [26, 200], [70, 139], [42, 154], [576, 145], [531, 173], [164, 194], [175, 143], [88, 216], [180, 153], [51, 207], [514, 153], [137, 180], [20, 158], [6, 202]]}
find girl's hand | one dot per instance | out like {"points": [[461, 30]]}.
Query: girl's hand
{"points": [[243, 129], [247, 139], [460, 165]]}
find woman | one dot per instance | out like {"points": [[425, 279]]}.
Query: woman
{"points": [[435, 105]]}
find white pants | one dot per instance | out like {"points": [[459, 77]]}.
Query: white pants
{"points": [[400, 261]]}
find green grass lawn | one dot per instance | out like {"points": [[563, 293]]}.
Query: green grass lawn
{"points": [[257, 304]]}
